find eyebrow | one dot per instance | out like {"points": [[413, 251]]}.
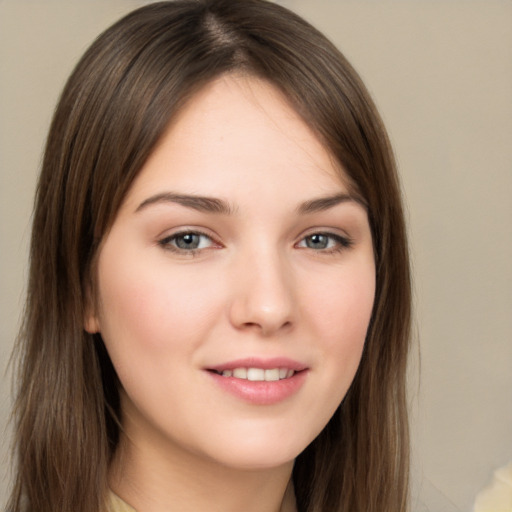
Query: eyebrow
{"points": [[325, 203], [219, 206], [199, 203]]}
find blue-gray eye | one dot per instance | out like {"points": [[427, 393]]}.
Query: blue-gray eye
{"points": [[317, 241], [325, 242], [187, 241]]}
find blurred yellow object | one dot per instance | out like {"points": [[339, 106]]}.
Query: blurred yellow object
{"points": [[116, 504], [497, 497]]}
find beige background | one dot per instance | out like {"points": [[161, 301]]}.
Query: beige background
{"points": [[441, 73]]}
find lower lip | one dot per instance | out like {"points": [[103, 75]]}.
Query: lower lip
{"points": [[261, 392]]}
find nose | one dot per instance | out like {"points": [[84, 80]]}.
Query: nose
{"points": [[263, 297]]}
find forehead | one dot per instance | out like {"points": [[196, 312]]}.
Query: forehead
{"points": [[240, 133]]}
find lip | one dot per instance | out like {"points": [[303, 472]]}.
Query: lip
{"points": [[260, 392]]}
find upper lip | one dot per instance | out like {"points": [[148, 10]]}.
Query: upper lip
{"points": [[256, 362]]}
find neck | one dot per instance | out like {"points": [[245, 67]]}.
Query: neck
{"points": [[154, 480]]}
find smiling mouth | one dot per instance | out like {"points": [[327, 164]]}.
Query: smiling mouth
{"points": [[260, 381], [258, 374]]}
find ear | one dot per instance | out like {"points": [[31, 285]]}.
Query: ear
{"points": [[91, 322], [91, 319]]}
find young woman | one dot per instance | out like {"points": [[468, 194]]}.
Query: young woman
{"points": [[219, 300]]}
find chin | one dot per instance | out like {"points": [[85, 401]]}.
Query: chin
{"points": [[259, 451], [255, 460]]}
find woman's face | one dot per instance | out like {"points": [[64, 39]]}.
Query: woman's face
{"points": [[235, 287]]}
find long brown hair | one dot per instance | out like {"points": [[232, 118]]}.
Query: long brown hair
{"points": [[112, 112]]}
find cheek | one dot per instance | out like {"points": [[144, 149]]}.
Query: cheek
{"points": [[149, 308], [342, 307], [341, 315]]}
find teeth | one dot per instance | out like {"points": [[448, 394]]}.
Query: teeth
{"points": [[255, 374], [272, 375], [240, 373], [259, 374]]}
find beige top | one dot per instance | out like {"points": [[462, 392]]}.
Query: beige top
{"points": [[116, 504]]}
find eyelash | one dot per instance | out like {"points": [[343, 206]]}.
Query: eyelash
{"points": [[169, 242]]}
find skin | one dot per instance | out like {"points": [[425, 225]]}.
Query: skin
{"points": [[260, 285]]}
